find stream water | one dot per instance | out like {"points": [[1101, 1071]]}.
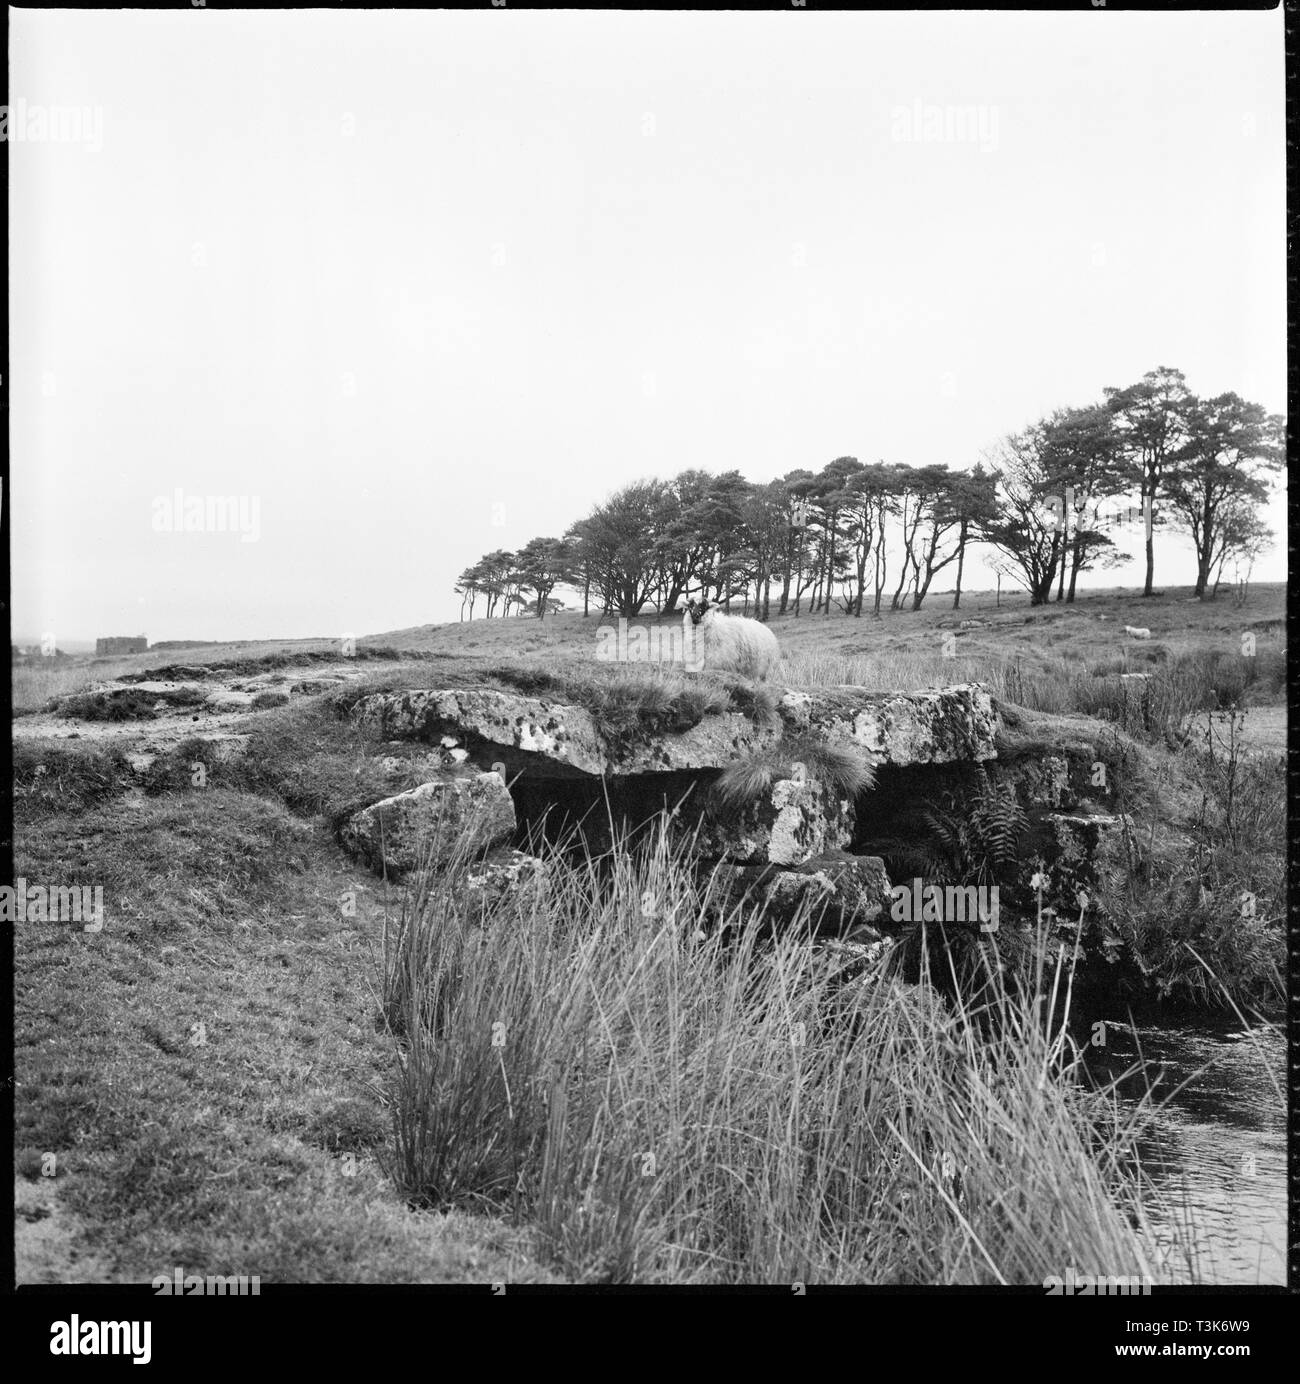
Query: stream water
{"points": [[1218, 1146]]}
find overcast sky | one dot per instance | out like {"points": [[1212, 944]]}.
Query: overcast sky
{"points": [[419, 286]]}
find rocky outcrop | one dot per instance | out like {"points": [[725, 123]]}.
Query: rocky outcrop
{"points": [[503, 873], [835, 892], [792, 821], [1059, 763], [535, 740], [553, 739], [948, 725], [715, 742], [1044, 782], [425, 826], [784, 853], [1090, 849], [559, 739]]}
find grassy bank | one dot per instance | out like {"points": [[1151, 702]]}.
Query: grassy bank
{"points": [[200, 1083]]}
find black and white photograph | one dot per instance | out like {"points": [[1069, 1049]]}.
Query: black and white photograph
{"points": [[649, 653]]}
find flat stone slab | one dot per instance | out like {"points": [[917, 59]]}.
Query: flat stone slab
{"points": [[716, 741], [542, 737], [944, 725], [564, 735]]}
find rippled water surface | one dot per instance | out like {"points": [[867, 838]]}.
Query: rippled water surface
{"points": [[1218, 1149]]}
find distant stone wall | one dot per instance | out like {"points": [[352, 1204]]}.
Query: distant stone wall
{"points": [[122, 644]]}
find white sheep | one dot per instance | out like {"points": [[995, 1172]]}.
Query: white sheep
{"points": [[721, 642], [1134, 633]]}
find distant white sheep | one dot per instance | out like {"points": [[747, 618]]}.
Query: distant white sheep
{"points": [[728, 643], [1134, 633]]}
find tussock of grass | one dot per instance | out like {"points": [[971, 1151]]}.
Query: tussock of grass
{"points": [[349, 1123], [174, 770], [58, 778], [108, 706], [630, 704], [843, 770], [664, 1108], [757, 700]]}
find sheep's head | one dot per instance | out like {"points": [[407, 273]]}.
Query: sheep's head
{"points": [[696, 610]]}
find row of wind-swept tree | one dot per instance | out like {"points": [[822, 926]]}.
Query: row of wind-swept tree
{"points": [[1050, 502]]}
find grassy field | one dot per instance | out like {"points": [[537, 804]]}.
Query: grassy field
{"points": [[215, 1079], [905, 648], [914, 648]]}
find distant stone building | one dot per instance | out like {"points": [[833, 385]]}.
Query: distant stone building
{"points": [[122, 644]]}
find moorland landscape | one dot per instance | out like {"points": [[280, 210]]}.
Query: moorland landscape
{"points": [[240, 1070]]}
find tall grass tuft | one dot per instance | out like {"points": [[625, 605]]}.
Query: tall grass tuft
{"points": [[844, 770], [660, 1106]]}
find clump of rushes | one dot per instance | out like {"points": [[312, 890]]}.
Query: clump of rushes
{"points": [[658, 1105]]}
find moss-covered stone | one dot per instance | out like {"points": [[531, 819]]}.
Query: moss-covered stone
{"points": [[424, 827]]}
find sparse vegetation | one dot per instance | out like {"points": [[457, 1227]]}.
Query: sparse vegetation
{"points": [[1205, 916]]}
